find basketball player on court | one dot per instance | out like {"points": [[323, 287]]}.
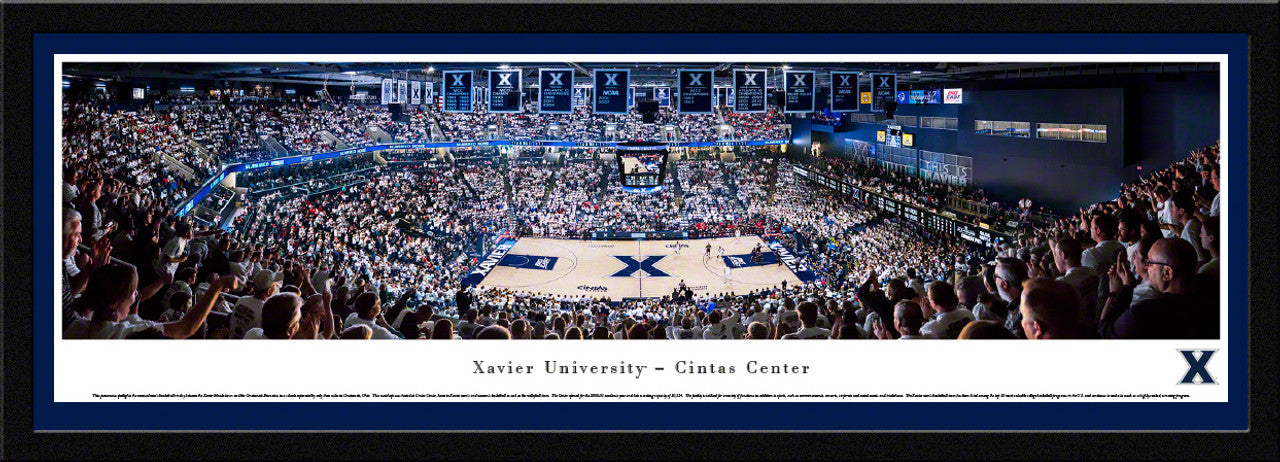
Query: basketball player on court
{"points": [[727, 273], [721, 251], [708, 254], [677, 248]]}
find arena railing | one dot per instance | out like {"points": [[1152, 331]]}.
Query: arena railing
{"points": [[978, 233]]}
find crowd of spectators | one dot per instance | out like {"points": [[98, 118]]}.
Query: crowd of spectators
{"points": [[528, 186], [313, 265], [706, 195], [770, 125], [571, 207]]}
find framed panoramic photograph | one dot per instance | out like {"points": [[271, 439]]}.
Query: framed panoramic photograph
{"points": [[622, 232]]}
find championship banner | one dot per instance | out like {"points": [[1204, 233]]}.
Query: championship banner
{"points": [[387, 84], [402, 91], [799, 91], [555, 91], [504, 91], [749, 90], [457, 91], [730, 97], [903, 97], [415, 93], [844, 91], [631, 97], [580, 96], [865, 97], [883, 86], [610, 91], [430, 91], [695, 91], [663, 95]]}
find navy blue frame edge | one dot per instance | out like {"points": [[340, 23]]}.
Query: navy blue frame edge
{"points": [[1059, 416]]}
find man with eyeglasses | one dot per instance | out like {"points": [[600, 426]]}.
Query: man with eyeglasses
{"points": [[1178, 311], [1010, 274]]}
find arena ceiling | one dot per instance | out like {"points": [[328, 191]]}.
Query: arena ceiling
{"points": [[367, 74]]}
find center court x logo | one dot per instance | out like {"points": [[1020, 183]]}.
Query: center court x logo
{"points": [[457, 79], [611, 78], [1196, 367], [634, 266], [555, 78]]}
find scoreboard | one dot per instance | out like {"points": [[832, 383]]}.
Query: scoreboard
{"points": [[642, 164]]}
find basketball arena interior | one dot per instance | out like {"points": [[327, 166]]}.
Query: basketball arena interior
{"points": [[639, 200]]}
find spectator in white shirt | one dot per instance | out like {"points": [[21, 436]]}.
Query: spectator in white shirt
{"points": [[949, 320], [247, 313], [1129, 231], [808, 324], [683, 329], [908, 318], [1066, 255], [281, 318], [1101, 256], [1184, 213], [369, 313], [1163, 205], [720, 326], [1050, 310], [1213, 178], [174, 251], [1209, 241]]}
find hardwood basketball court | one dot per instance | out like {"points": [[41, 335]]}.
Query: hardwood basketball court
{"points": [[634, 269]]}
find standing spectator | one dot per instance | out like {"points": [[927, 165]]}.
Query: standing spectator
{"points": [[247, 314], [949, 320], [809, 324], [1066, 255], [1050, 310], [1209, 241], [281, 318], [1184, 210], [174, 251], [369, 313], [1010, 274]]}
